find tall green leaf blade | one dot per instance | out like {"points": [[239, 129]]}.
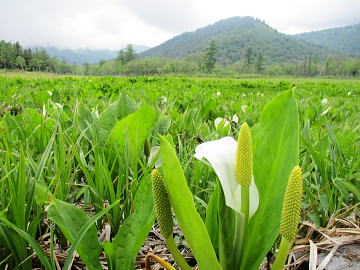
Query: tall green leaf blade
{"points": [[85, 121], [34, 244], [130, 133], [182, 202], [212, 218], [71, 219], [276, 151], [121, 253]]}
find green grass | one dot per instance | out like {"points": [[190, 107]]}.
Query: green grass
{"points": [[51, 141]]}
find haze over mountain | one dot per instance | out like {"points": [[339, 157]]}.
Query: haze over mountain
{"points": [[235, 35], [81, 56], [342, 39]]}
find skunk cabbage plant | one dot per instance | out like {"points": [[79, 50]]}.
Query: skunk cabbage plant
{"points": [[244, 211]]}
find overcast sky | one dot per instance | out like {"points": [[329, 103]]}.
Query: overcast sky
{"points": [[110, 24]]}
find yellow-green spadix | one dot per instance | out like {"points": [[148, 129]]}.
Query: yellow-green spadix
{"points": [[222, 156], [244, 157], [162, 204], [290, 216]]}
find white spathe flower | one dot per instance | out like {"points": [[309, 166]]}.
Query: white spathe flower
{"points": [[96, 112], [163, 99], [58, 105], [325, 112], [235, 119], [154, 154], [44, 111], [218, 93], [218, 120], [324, 101], [243, 107], [221, 154]]}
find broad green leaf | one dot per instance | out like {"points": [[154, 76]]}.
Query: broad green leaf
{"points": [[2, 128], [130, 133], [352, 188], [212, 219], [42, 192], [324, 202], [71, 219], [121, 253], [182, 202], [227, 222], [55, 96], [340, 186], [208, 107], [162, 125], [83, 232], [85, 122], [275, 144], [113, 113]]}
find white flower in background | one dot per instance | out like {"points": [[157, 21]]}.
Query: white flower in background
{"points": [[96, 112], [349, 93], [243, 107], [218, 93], [325, 112], [163, 99], [50, 93], [154, 154], [221, 154], [219, 120], [235, 119], [58, 105], [244, 95], [44, 111], [324, 101]]}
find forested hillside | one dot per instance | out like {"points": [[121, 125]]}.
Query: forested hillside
{"points": [[234, 36], [82, 56], [343, 39]]}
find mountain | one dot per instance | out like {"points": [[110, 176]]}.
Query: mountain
{"points": [[233, 37], [342, 39], [81, 56]]}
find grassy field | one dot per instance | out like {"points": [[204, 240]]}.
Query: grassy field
{"points": [[75, 153]]}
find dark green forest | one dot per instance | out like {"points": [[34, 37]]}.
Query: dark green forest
{"points": [[14, 56]]}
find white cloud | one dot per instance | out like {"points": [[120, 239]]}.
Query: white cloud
{"points": [[114, 23], [168, 15]]}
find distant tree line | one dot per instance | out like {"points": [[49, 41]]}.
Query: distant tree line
{"points": [[312, 66], [14, 56], [206, 63]]}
